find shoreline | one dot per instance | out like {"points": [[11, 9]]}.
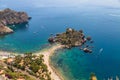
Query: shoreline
{"points": [[47, 53], [6, 54]]}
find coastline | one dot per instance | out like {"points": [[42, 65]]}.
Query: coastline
{"points": [[5, 54], [47, 53]]}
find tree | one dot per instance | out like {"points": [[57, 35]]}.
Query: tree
{"points": [[34, 67]]}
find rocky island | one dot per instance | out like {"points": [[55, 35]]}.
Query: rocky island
{"points": [[72, 38], [11, 17]]}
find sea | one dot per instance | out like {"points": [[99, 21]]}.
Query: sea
{"points": [[101, 23]]}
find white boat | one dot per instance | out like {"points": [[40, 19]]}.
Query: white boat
{"points": [[101, 50]]}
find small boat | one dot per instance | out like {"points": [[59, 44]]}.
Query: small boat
{"points": [[101, 50]]}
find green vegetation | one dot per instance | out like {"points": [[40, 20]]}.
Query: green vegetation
{"points": [[14, 75], [72, 38], [32, 64]]}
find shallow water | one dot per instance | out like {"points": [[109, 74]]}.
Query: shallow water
{"points": [[73, 64]]}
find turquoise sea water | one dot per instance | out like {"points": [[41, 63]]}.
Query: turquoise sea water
{"points": [[103, 24]]}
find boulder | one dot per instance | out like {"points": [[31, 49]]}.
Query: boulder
{"points": [[86, 50]]}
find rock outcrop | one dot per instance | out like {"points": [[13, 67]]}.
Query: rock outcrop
{"points": [[10, 17], [72, 38], [5, 30]]}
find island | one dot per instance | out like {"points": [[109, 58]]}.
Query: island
{"points": [[11, 17], [72, 38], [37, 66]]}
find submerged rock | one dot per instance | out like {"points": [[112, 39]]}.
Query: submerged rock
{"points": [[91, 41], [11, 17], [88, 38]]}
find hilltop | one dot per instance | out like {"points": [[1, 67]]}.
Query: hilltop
{"points": [[11, 17]]}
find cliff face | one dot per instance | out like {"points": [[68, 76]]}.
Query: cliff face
{"points": [[9, 17], [5, 30]]}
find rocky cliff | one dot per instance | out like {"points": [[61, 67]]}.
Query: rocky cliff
{"points": [[9, 17]]}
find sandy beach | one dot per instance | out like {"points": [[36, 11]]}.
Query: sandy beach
{"points": [[5, 54], [47, 53]]}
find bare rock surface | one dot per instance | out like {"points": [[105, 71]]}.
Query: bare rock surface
{"points": [[11, 17]]}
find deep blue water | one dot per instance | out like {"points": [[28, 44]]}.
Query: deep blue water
{"points": [[103, 24]]}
